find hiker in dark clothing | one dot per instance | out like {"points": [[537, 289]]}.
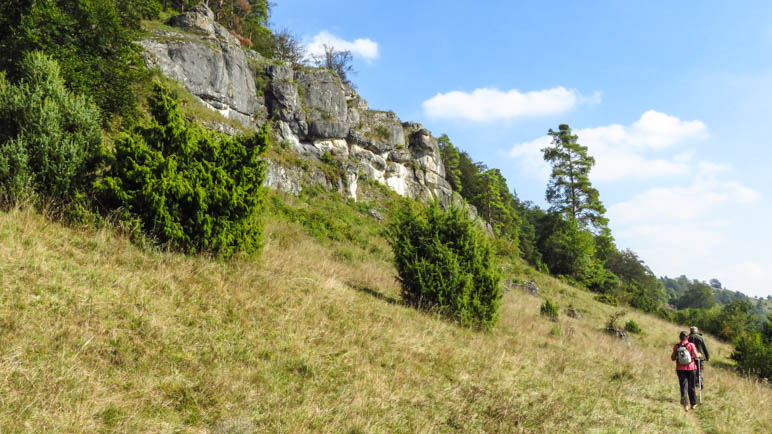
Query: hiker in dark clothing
{"points": [[696, 338], [686, 368]]}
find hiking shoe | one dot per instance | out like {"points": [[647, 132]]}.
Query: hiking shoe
{"points": [[686, 407], [694, 406]]}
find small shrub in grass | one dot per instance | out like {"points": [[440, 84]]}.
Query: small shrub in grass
{"points": [[49, 136], [613, 319], [632, 327], [607, 299], [550, 310], [193, 189], [753, 354], [445, 262]]}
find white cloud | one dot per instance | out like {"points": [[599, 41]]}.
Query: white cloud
{"points": [[621, 151], [681, 203], [657, 130], [710, 168], [684, 157], [752, 278], [674, 245], [701, 249], [613, 164], [364, 48], [530, 156], [487, 105], [676, 248], [694, 230]]}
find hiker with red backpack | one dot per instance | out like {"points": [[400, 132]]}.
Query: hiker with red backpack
{"points": [[685, 355]]}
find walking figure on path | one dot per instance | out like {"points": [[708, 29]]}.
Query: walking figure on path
{"points": [[698, 340], [685, 355]]}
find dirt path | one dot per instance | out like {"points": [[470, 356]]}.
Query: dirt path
{"points": [[695, 420]]}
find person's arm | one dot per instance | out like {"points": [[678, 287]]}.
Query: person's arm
{"points": [[673, 356], [705, 349], [695, 354]]}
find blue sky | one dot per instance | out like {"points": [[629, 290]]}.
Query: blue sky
{"points": [[672, 99]]}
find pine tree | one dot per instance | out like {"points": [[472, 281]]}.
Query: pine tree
{"points": [[451, 159], [497, 205], [570, 191]]}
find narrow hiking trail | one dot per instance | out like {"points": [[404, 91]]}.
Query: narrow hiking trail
{"points": [[696, 421]]}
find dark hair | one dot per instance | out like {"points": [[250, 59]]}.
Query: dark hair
{"points": [[683, 335]]}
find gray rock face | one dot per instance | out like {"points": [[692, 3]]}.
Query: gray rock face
{"points": [[378, 131], [314, 113], [328, 129], [323, 96], [208, 62], [284, 179], [199, 20]]}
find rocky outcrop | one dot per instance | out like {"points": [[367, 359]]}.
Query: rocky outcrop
{"points": [[314, 113], [573, 313], [530, 287], [620, 334], [209, 62]]}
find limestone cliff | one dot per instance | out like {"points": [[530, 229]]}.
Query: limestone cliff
{"points": [[314, 113]]}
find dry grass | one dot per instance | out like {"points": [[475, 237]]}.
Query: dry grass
{"points": [[98, 335]]}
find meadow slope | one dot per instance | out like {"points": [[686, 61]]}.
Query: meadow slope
{"points": [[97, 334]]}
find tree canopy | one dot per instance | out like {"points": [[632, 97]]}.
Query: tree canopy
{"points": [[92, 41], [569, 190]]}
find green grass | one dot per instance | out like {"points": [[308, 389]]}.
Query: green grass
{"points": [[193, 108], [101, 335]]}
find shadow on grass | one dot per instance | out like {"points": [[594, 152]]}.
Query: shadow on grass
{"points": [[369, 291], [722, 364]]}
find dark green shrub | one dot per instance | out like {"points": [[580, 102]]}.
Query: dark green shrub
{"points": [[753, 355], [550, 310], [566, 248], [607, 299], [632, 327], [49, 137], [445, 262], [599, 279], [92, 40], [191, 188]]}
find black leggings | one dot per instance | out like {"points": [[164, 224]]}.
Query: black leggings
{"points": [[687, 381]]}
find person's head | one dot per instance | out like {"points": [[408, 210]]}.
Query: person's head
{"points": [[683, 335], [693, 329]]}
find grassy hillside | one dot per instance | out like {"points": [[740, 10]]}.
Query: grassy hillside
{"points": [[98, 334]]}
